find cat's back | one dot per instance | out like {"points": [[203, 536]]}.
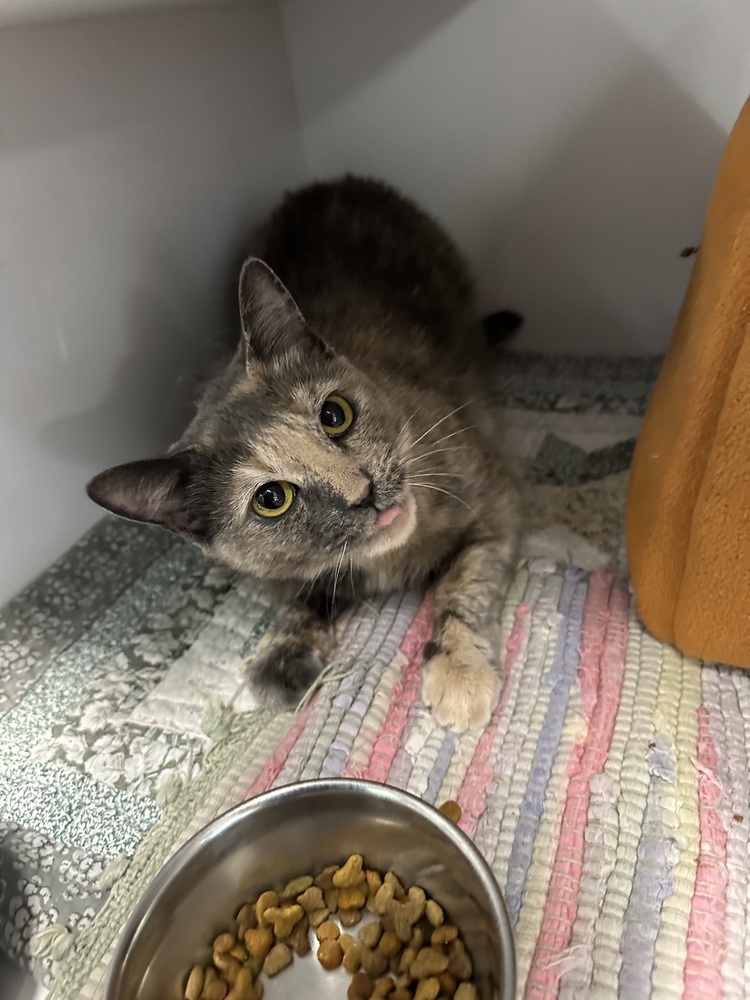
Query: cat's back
{"points": [[356, 244]]}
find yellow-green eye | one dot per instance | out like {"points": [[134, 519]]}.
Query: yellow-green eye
{"points": [[273, 499], [336, 416]]}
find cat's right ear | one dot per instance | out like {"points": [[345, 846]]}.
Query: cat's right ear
{"points": [[153, 491], [272, 324]]}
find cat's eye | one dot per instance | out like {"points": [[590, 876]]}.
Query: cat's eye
{"points": [[273, 499], [336, 416]]}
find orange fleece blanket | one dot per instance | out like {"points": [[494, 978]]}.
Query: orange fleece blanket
{"points": [[688, 510]]}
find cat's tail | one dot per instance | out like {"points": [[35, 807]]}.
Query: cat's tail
{"points": [[500, 326]]}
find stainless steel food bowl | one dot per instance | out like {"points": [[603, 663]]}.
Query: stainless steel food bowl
{"points": [[296, 830]]}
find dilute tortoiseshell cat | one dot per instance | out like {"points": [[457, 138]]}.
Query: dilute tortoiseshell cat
{"points": [[346, 448]]}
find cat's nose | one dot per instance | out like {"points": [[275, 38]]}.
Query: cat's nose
{"points": [[367, 496]]}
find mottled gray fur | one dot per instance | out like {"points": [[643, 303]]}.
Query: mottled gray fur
{"points": [[377, 307]]}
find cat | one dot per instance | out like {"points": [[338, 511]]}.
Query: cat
{"points": [[346, 448]]}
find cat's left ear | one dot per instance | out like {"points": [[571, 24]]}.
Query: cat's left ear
{"points": [[154, 491], [271, 321]]}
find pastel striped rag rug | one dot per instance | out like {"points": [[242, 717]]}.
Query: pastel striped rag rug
{"points": [[609, 792]]}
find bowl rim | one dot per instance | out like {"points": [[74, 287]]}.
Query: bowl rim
{"points": [[385, 793]]}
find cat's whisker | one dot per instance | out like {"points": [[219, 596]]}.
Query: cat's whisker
{"points": [[442, 420], [336, 578], [462, 430], [439, 489], [409, 420], [435, 472], [310, 585], [306, 583], [402, 433], [436, 451]]}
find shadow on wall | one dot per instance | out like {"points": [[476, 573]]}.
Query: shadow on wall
{"points": [[589, 249], [155, 399], [131, 149], [381, 40], [568, 162], [362, 41], [66, 72]]}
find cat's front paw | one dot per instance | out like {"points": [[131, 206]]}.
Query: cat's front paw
{"points": [[283, 675], [462, 689]]}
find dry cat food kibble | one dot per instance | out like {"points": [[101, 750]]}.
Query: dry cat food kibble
{"points": [[409, 952], [452, 810]]}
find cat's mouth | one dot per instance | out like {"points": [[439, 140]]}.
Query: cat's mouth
{"points": [[388, 516], [392, 526]]}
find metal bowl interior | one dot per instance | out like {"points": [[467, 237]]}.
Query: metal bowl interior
{"points": [[301, 829]]}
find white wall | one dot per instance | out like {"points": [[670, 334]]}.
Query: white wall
{"points": [[133, 152], [31, 11], [570, 146]]}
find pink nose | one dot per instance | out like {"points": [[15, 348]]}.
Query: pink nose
{"points": [[365, 497]]}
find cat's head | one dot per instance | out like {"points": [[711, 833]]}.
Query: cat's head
{"points": [[294, 462]]}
